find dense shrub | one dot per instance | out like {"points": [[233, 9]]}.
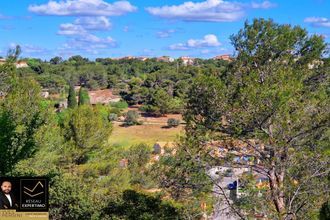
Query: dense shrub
{"points": [[132, 118], [119, 105], [172, 122]]}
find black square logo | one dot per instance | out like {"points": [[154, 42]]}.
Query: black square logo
{"points": [[33, 194]]}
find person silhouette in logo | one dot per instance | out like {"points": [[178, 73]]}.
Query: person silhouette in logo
{"points": [[7, 198]]}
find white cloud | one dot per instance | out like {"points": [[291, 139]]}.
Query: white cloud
{"points": [[87, 43], [165, 33], [179, 46], [318, 21], [263, 5], [209, 10], [83, 8], [215, 51], [93, 23], [29, 49], [209, 40], [95, 41], [82, 24], [71, 29]]}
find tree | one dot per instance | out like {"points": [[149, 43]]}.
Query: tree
{"points": [[72, 101], [138, 156], [269, 101], [56, 60], [135, 205], [78, 60], [69, 198], [14, 53], [83, 96], [85, 129], [20, 118], [36, 65], [325, 211], [162, 100], [132, 118]]}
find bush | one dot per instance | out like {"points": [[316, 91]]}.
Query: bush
{"points": [[114, 110], [172, 122], [132, 118], [136, 205], [69, 198], [113, 117], [119, 105]]}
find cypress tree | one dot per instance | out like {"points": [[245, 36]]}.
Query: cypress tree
{"points": [[83, 96], [72, 101]]}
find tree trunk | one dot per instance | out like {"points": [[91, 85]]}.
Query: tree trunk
{"points": [[276, 179]]}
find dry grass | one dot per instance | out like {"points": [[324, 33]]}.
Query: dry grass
{"points": [[147, 133]]}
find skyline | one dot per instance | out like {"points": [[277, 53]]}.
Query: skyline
{"points": [[102, 28]]}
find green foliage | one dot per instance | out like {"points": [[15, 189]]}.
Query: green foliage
{"points": [[269, 96], [36, 65], [56, 60], [132, 118], [72, 101], [70, 199], [120, 105], [20, 117], [54, 83], [83, 97], [325, 211], [86, 129], [113, 117], [172, 122], [14, 53], [138, 156], [78, 60], [135, 205]]}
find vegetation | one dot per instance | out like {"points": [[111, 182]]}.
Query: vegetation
{"points": [[275, 103], [136, 205], [83, 97], [132, 118], [172, 122], [271, 104], [72, 101]]}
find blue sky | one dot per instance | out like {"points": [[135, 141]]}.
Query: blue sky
{"points": [[104, 28]]}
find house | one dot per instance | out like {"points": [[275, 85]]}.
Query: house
{"points": [[166, 59], [127, 58], [187, 60], [21, 64], [104, 96], [225, 57], [18, 64], [142, 58], [162, 147]]}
